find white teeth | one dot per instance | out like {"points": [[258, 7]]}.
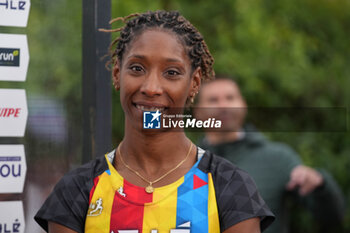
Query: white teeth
{"points": [[148, 108]]}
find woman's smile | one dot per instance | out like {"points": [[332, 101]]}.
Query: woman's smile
{"points": [[149, 106]]}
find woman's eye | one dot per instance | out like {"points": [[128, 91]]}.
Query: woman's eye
{"points": [[136, 68], [172, 73]]}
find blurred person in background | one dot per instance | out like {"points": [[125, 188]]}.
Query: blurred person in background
{"points": [[278, 171]]}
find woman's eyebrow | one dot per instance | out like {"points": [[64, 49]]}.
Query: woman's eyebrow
{"points": [[136, 56], [170, 59]]}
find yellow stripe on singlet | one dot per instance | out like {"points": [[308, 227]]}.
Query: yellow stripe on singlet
{"points": [[161, 214], [105, 190], [213, 216]]}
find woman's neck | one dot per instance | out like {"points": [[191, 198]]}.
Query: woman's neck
{"points": [[153, 152]]}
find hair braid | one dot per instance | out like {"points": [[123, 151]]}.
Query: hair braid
{"points": [[136, 23]]}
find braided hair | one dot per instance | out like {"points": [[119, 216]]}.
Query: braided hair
{"points": [[192, 40]]}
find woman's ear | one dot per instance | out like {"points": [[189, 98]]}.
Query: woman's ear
{"points": [[196, 81], [194, 85], [116, 75]]}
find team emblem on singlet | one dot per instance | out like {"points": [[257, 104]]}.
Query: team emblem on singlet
{"points": [[121, 191], [95, 209]]}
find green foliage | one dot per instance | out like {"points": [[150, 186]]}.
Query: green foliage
{"points": [[54, 33]]}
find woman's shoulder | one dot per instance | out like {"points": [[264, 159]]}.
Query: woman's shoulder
{"points": [[211, 163]]}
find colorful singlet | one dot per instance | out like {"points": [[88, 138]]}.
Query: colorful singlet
{"points": [[209, 198]]}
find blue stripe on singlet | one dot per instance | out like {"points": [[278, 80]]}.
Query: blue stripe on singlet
{"points": [[192, 204]]}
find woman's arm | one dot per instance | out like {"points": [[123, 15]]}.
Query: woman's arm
{"points": [[58, 228], [251, 225]]}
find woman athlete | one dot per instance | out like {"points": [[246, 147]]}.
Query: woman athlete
{"points": [[156, 180]]}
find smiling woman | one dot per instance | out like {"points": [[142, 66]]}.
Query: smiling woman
{"points": [[157, 180]]}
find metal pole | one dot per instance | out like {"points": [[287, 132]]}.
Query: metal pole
{"points": [[97, 114]]}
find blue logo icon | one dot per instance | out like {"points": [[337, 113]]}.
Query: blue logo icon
{"points": [[151, 119]]}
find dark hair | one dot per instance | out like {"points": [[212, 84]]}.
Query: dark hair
{"points": [[192, 40]]}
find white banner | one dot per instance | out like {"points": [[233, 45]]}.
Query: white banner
{"points": [[13, 168], [13, 112], [11, 217], [14, 12], [14, 57]]}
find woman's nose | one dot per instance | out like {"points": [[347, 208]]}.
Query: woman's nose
{"points": [[151, 85]]}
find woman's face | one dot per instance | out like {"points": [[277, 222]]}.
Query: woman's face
{"points": [[155, 74]]}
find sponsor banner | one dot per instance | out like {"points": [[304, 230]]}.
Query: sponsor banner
{"points": [[14, 57], [13, 168], [13, 112], [14, 12], [11, 217], [9, 57]]}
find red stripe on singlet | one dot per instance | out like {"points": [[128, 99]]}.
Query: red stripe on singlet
{"points": [[127, 212], [96, 179]]}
